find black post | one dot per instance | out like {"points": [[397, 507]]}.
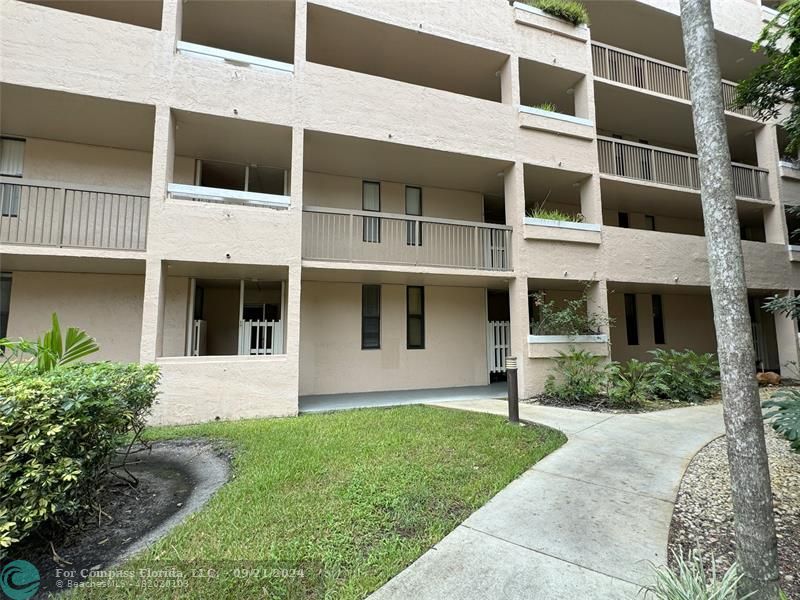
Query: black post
{"points": [[513, 393]]}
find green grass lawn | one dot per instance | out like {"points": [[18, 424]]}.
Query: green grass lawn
{"points": [[333, 505]]}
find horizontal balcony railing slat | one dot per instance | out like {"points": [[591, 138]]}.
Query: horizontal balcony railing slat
{"points": [[376, 237], [636, 70], [37, 214], [670, 167]]}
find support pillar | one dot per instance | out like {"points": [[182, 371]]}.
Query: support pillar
{"points": [[153, 311], [591, 203], [509, 81], [788, 351], [766, 139]]}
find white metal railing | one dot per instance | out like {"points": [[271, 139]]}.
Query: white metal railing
{"points": [[498, 346], [44, 214], [364, 236], [671, 167], [225, 196], [260, 337], [637, 70]]}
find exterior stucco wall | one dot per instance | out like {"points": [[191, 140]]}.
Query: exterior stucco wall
{"points": [[332, 361], [108, 307], [196, 389]]}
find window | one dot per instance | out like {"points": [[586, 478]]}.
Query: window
{"points": [[631, 321], [650, 222], [414, 207], [623, 220], [370, 317], [5, 302], [658, 319], [415, 317], [371, 201], [12, 156]]}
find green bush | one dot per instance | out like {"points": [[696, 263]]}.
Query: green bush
{"points": [[684, 376], [784, 414], [58, 434], [630, 383], [569, 317], [580, 377], [569, 10], [552, 214]]}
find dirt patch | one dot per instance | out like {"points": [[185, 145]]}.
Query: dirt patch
{"points": [[604, 405], [703, 515], [175, 479]]}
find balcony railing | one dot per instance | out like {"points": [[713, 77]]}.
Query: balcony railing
{"points": [[43, 214], [376, 237], [651, 74], [670, 167]]}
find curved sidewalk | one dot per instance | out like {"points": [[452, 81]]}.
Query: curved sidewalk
{"points": [[584, 522]]}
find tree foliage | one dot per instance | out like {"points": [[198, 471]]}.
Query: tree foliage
{"points": [[776, 83]]}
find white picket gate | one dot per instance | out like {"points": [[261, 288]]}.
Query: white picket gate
{"points": [[498, 344]]}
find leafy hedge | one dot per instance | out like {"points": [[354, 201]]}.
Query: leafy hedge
{"points": [[784, 415], [569, 10], [58, 434]]}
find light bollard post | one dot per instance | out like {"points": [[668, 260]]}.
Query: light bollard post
{"points": [[513, 393]]}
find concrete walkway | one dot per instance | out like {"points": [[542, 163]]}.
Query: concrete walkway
{"points": [[584, 522]]}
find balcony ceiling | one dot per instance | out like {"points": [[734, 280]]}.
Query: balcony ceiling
{"points": [[547, 187], [343, 40], [635, 26], [385, 161], [34, 112], [232, 140], [144, 13], [226, 273], [253, 27]]}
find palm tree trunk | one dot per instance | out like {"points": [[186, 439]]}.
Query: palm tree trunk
{"points": [[756, 544]]}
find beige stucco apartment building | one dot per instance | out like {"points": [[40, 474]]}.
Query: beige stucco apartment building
{"points": [[275, 200]]}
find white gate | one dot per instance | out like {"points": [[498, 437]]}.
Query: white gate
{"points": [[260, 337], [498, 344]]}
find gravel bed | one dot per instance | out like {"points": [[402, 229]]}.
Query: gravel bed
{"points": [[703, 514]]}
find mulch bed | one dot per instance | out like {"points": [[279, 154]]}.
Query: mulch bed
{"points": [[603, 404], [703, 516], [97, 539]]}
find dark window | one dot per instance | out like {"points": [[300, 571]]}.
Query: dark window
{"points": [[370, 317], [623, 220], [371, 201], [658, 319], [5, 302], [415, 317], [631, 321], [650, 222], [414, 207]]}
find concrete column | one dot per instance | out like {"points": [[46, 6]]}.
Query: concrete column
{"points": [[171, 23], [293, 289], [766, 139], [788, 351], [591, 202], [518, 286], [153, 311], [509, 81], [163, 161], [584, 98], [300, 35], [597, 302]]}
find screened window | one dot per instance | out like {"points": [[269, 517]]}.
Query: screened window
{"points": [[414, 207], [12, 156], [371, 201], [631, 320], [5, 301], [415, 317], [658, 319], [370, 317]]}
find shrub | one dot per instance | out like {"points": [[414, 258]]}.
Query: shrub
{"points": [[784, 413], [540, 212], [580, 377], [684, 376], [546, 106], [569, 10], [689, 580], [570, 318], [630, 382], [58, 434]]}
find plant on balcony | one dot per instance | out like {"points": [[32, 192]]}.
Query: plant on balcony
{"points": [[551, 214], [569, 317], [569, 10], [546, 106]]}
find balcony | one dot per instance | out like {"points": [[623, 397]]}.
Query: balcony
{"points": [[662, 166], [643, 72], [41, 214], [369, 237]]}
